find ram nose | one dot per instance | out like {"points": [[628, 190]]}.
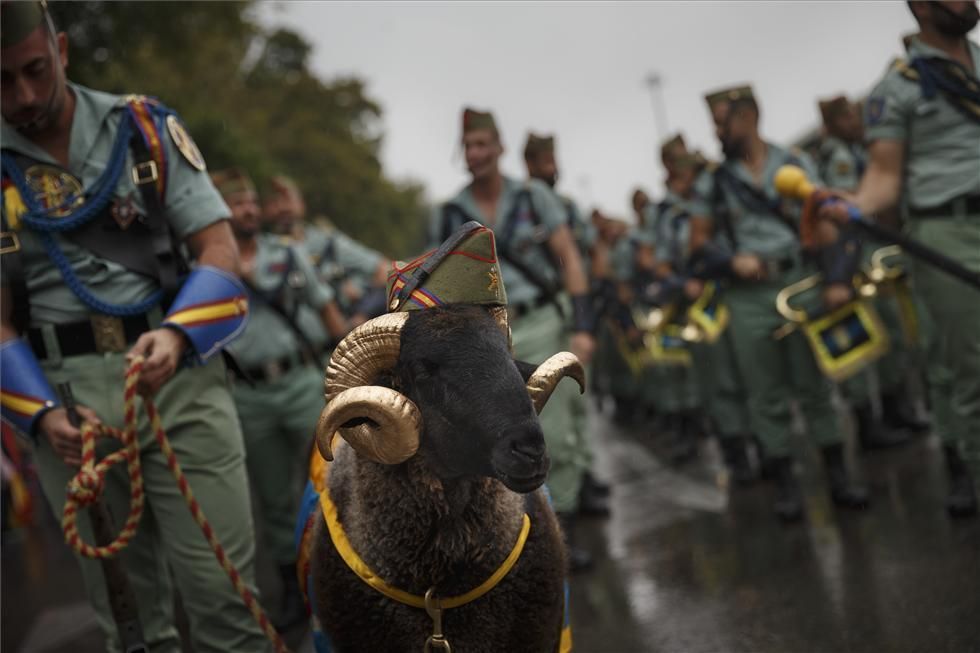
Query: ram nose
{"points": [[521, 458]]}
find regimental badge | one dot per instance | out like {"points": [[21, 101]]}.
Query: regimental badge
{"points": [[843, 168], [54, 189], [494, 280], [185, 144], [124, 211], [875, 110]]}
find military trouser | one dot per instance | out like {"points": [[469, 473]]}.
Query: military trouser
{"points": [[199, 416], [537, 336], [622, 383], [279, 420], [777, 371], [722, 389], [954, 310], [671, 389]]}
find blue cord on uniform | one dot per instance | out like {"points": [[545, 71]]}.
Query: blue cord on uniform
{"points": [[42, 221]]}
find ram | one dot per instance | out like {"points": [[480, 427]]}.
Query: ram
{"points": [[436, 487]]}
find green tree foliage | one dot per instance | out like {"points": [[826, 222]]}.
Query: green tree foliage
{"points": [[248, 96]]}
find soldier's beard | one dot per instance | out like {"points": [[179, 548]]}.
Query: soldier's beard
{"points": [[47, 115], [950, 23], [733, 149]]}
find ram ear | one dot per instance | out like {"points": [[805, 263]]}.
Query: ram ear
{"points": [[526, 369]]}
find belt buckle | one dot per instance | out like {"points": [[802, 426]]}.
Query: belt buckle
{"points": [[273, 370], [9, 242], [108, 333], [145, 172]]}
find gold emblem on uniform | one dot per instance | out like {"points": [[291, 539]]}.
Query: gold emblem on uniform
{"points": [[494, 280], [185, 144], [843, 168], [54, 189], [841, 337]]}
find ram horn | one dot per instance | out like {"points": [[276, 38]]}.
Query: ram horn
{"points": [[388, 423], [549, 373]]}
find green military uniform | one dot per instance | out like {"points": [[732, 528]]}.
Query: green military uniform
{"points": [[527, 214], [774, 371], [195, 405], [941, 192], [278, 414], [717, 383]]}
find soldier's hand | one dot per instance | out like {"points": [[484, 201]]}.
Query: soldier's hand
{"points": [[582, 345], [748, 267], [162, 349], [836, 295], [834, 205], [65, 439], [693, 288]]}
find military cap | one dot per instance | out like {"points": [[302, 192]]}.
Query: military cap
{"points": [[672, 148], [833, 107], [283, 185], [19, 19], [469, 274], [731, 94], [473, 119], [231, 181], [538, 145]]}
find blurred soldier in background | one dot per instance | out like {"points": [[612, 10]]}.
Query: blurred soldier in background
{"points": [[539, 156], [546, 288], [280, 405]]}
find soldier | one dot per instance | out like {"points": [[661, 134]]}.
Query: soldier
{"points": [[718, 379], [546, 287], [923, 127], [282, 404], [843, 159], [94, 185], [738, 212], [355, 272], [539, 156]]}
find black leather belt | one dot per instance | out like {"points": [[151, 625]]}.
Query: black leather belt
{"points": [[964, 203], [520, 310], [274, 369], [99, 334]]}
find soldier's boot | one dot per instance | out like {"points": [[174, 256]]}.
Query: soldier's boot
{"points": [[897, 413], [962, 499], [844, 491], [684, 444], [593, 497], [292, 608], [873, 433], [737, 460], [578, 559], [789, 499]]}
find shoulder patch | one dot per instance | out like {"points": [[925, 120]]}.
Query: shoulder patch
{"points": [[875, 110], [185, 144]]}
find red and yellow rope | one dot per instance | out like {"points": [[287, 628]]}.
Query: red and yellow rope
{"points": [[86, 487]]}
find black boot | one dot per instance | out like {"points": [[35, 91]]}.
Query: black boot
{"points": [[789, 499], [578, 559], [684, 444], [593, 498], [737, 459], [962, 499], [292, 608], [843, 491], [897, 413], [872, 433]]}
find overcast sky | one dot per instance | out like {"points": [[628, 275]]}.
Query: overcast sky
{"points": [[578, 70]]}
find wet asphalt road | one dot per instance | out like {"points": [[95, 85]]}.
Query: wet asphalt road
{"points": [[683, 564]]}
